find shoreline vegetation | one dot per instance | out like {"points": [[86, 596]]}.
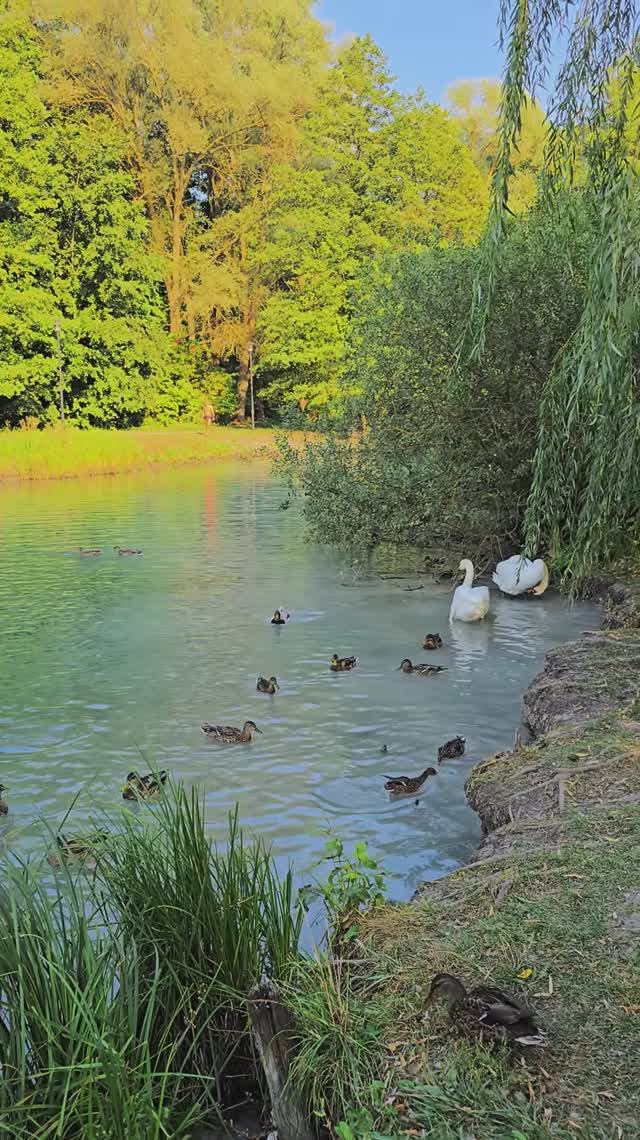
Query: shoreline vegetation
{"points": [[67, 453], [549, 908], [133, 985]]}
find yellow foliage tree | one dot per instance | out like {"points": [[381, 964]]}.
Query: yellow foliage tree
{"points": [[476, 105], [209, 96]]}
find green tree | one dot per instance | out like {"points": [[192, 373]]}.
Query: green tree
{"points": [[446, 462], [586, 485], [377, 172], [201, 138], [29, 182], [74, 258]]}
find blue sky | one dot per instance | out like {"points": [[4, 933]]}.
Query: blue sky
{"points": [[428, 42]]}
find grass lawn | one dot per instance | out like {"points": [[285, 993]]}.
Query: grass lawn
{"points": [[63, 453]]}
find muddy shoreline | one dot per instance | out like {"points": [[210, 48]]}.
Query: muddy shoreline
{"points": [[524, 793]]}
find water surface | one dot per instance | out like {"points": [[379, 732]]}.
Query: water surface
{"points": [[105, 658]]}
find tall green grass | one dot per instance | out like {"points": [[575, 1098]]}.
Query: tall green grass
{"points": [[219, 919], [338, 1046], [62, 453], [123, 993]]}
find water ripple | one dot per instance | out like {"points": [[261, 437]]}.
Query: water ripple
{"points": [[113, 663]]}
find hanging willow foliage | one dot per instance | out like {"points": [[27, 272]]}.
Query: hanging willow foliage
{"points": [[584, 503]]}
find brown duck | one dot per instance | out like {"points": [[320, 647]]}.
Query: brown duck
{"points": [[486, 1011], [422, 669], [432, 641], [81, 848], [451, 749], [267, 685], [407, 785], [342, 664], [227, 734], [147, 787]]}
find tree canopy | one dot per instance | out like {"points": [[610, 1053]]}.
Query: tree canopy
{"points": [[175, 220]]}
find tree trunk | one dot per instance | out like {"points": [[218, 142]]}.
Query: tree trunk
{"points": [[173, 300], [271, 1022], [242, 386]]}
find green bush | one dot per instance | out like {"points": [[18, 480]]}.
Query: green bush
{"points": [[445, 457]]}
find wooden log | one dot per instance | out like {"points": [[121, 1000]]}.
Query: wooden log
{"points": [[271, 1023]]}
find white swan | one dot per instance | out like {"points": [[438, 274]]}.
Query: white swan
{"points": [[469, 603], [519, 575]]}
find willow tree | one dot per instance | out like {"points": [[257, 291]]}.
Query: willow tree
{"points": [[585, 493]]}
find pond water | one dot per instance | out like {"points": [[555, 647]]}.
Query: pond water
{"points": [[107, 658]]}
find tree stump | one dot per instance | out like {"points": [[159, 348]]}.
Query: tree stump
{"points": [[271, 1022]]}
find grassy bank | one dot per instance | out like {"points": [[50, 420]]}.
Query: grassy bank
{"points": [[550, 909], [65, 453]]}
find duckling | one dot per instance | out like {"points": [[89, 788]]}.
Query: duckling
{"points": [[407, 785], [81, 847], [486, 1011], [451, 749], [422, 669], [342, 664], [269, 685], [146, 787], [278, 618], [4, 806], [432, 641], [89, 551], [226, 734], [126, 550]]}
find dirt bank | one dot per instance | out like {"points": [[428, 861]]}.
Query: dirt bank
{"points": [[550, 907]]}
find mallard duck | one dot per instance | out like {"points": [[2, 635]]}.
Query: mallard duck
{"points": [[278, 618], [487, 1011], [4, 806], [89, 551], [451, 749], [267, 685], [226, 734], [470, 603], [342, 664], [407, 785], [147, 787], [81, 847], [432, 641], [422, 669], [520, 575], [126, 550]]}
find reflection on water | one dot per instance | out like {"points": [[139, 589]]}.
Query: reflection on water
{"points": [[105, 658]]}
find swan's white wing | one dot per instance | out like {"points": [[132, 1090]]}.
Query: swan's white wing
{"points": [[469, 603], [516, 575]]}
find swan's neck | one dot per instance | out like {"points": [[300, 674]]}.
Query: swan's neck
{"points": [[468, 575]]}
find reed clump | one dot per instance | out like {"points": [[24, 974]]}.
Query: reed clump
{"points": [[123, 993]]}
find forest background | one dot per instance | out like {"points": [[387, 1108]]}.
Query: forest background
{"points": [[192, 193]]}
